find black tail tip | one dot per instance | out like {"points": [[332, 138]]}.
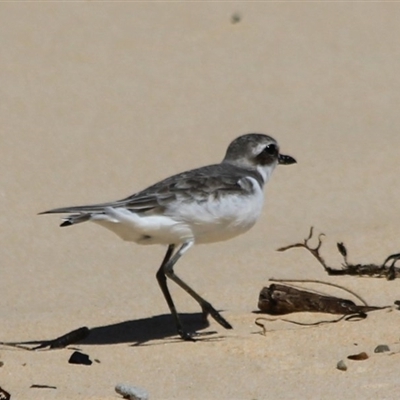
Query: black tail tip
{"points": [[66, 223]]}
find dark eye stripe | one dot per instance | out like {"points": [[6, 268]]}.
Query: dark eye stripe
{"points": [[269, 155], [271, 149]]}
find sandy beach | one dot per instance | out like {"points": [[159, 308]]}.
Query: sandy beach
{"points": [[100, 100]]}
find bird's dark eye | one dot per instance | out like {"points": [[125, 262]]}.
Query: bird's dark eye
{"points": [[271, 149]]}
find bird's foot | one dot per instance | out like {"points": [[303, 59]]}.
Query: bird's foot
{"points": [[192, 336], [208, 309], [186, 336]]}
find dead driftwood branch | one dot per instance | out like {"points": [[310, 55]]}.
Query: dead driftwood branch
{"points": [[386, 270], [280, 299]]}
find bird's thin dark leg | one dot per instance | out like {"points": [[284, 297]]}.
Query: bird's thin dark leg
{"points": [[162, 281], [205, 305]]}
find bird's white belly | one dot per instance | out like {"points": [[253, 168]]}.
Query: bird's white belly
{"points": [[141, 229], [210, 221]]}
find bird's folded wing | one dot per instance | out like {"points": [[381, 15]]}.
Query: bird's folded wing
{"points": [[198, 185]]}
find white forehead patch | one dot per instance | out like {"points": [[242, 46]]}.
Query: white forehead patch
{"points": [[260, 147]]}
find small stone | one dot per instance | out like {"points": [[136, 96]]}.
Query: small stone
{"points": [[358, 357], [1, 363], [382, 348], [235, 18], [131, 392], [79, 358], [341, 366]]}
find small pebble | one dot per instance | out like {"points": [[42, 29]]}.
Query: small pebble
{"points": [[359, 356], [381, 348], [341, 366], [1, 363], [235, 18], [131, 392]]}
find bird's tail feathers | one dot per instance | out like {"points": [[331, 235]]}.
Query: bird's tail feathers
{"points": [[79, 209], [78, 213]]}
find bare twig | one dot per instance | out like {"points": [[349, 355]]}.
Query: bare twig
{"points": [[390, 272], [352, 317]]}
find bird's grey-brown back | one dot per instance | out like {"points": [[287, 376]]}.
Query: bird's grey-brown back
{"points": [[243, 156]]}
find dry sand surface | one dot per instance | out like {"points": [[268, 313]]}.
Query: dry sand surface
{"points": [[99, 100]]}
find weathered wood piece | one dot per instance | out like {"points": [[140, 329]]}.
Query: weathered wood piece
{"points": [[278, 299]]}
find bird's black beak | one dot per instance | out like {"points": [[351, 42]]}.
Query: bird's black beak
{"points": [[286, 160]]}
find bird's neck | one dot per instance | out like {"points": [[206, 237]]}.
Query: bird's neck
{"points": [[260, 174], [265, 171]]}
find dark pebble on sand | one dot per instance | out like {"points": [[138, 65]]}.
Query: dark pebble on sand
{"points": [[79, 358], [359, 356], [382, 348]]}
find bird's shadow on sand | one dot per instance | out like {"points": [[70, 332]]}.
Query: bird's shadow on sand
{"points": [[141, 331], [136, 333]]}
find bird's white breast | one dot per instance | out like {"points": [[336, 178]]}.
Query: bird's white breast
{"points": [[224, 218]]}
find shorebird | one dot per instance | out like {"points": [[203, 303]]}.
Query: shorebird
{"points": [[204, 205]]}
